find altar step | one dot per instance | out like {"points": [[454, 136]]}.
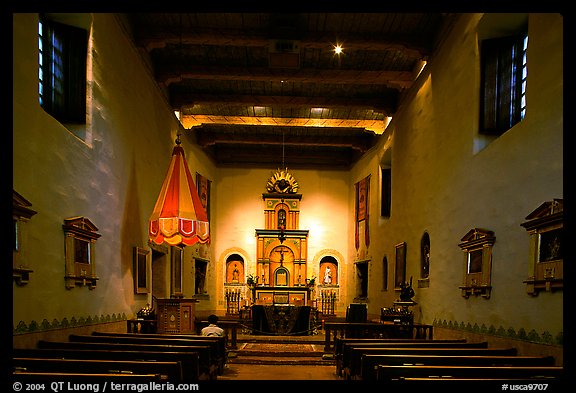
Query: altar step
{"points": [[280, 352]]}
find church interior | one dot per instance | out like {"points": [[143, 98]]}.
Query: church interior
{"points": [[307, 178]]}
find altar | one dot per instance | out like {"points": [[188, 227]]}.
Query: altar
{"points": [[281, 319], [294, 295]]}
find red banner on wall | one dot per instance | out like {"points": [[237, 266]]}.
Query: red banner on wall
{"points": [[362, 205], [203, 185]]}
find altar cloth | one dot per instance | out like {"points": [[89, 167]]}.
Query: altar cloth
{"points": [[281, 319]]}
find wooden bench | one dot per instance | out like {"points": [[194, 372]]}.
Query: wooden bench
{"points": [[217, 350], [220, 354], [389, 373], [351, 352], [340, 341], [31, 377], [170, 371], [208, 369], [230, 330], [370, 362], [339, 345], [333, 330], [188, 360]]}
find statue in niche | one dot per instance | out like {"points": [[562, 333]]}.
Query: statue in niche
{"points": [[327, 275], [406, 291], [235, 273]]}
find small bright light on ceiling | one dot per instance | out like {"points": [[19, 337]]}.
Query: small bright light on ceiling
{"points": [[338, 49]]}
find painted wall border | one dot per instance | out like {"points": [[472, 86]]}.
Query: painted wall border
{"points": [[34, 326], [510, 333]]}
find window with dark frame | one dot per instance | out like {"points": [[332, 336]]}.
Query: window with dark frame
{"points": [[503, 84], [82, 251], [62, 59], [176, 271], [385, 273], [386, 192]]}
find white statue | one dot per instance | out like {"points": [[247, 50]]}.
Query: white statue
{"points": [[328, 275]]}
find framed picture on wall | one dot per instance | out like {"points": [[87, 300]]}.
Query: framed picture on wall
{"points": [[400, 271], [141, 270]]}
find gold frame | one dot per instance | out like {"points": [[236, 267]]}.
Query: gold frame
{"points": [[477, 241]]}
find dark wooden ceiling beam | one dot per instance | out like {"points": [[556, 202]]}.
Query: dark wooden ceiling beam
{"points": [[410, 46], [395, 79], [361, 142], [265, 155], [179, 100]]}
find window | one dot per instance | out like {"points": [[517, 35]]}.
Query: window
{"points": [[385, 273], [141, 270], [503, 89], [62, 54], [176, 271], [386, 192]]}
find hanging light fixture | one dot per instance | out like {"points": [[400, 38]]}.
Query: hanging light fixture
{"points": [[178, 217]]}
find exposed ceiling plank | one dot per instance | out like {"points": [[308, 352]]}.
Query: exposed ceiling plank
{"points": [[179, 100], [377, 126], [248, 86], [394, 79], [209, 137], [227, 37]]}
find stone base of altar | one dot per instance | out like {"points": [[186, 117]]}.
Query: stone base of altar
{"points": [[281, 320]]}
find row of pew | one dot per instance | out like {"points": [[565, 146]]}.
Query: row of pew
{"points": [[388, 359], [127, 356]]}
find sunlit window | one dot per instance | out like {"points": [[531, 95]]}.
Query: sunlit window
{"points": [[62, 58], [504, 73]]}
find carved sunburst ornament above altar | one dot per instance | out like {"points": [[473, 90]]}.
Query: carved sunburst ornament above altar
{"points": [[282, 182]]}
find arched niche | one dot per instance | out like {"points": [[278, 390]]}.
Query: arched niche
{"points": [[328, 270], [235, 269], [423, 281], [281, 277]]}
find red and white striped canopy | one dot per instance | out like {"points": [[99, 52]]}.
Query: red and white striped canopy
{"points": [[178, 217]]}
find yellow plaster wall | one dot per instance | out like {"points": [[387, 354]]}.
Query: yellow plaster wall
{"points": [[238, 210], [112, 178], [443, 184]]}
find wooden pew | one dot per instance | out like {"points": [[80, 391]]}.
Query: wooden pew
{"points": [[208, 369], [340, 341], [351, 352], [370, 362], [170, 371], [31, 377], [220, 354], [389, 373], [189, 360], [333, 330], [230, 330], [217, 351]]}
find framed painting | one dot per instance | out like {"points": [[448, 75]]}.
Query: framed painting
{"points": [[142, 269], [400, 271]]}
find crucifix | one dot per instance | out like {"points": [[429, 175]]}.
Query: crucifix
{"points": [[281, 251]]}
